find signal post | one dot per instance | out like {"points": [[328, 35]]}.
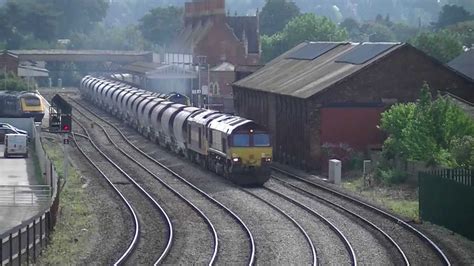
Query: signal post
{"points": [[60, 121]]}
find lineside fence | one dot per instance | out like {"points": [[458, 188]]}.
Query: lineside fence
{"points": [[25, 242], [447, 198]]}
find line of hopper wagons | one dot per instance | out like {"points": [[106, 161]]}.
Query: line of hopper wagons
{"points": [[234, 147]]}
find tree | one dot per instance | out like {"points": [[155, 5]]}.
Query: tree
{"points": [[377, 32], [307, 27], [12, 82], [161, 25], [276, 14], [78, 16], [110, 38], [452, 14], [443, 45], [31, 21], [465, 30], [429, 130]]}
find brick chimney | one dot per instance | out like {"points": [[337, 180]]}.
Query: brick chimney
{"points": [[204, 10], [217, 10]]}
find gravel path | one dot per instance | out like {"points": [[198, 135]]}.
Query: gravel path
{"points": [[153, 229], [329, 247], [417, 251], [369, 245]]}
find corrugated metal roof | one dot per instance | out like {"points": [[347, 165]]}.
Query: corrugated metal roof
{"points": [[305, 78], [464, 63]]}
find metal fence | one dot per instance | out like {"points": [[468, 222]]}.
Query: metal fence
{"points": [[23, 195], [23, 243], [447, 198]]}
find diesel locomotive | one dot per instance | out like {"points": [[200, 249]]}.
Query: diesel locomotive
{"points": [[21, 104], [234, 147]]}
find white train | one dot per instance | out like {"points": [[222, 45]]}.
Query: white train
{"points": [[232, 146]]}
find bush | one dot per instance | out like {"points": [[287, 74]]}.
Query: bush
{"points": [[388, 176], [426, 131], [463, 152]]}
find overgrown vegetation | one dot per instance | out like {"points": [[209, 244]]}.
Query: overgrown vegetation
{"points": [[70, 236], [433, 131], [12, 83], [401, 199]]}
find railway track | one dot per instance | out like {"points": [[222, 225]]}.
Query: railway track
{"points": [[180, 186], [119, 181], [412, 245]]}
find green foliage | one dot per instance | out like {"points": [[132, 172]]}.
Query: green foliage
{"points": [[276, 14], [428, 131], [443, 45], [161, 25], [12, 83], [452, 14], [380, 30], [388, 176], [307, 27], [28, 21], [104, 38], [465, 30], [462, 150]]}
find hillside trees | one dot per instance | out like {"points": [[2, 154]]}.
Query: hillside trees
{"points": [[161, 25], [25, 22], [307, 27], [276, 14]]}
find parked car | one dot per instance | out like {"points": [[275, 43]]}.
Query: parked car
{"points": [[16, 144], [19, 131]]}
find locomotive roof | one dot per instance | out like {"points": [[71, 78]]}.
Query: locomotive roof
{"points": [[228, 123]]}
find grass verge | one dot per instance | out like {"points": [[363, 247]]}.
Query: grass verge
{"points": [[400, 199], [72, 232]]}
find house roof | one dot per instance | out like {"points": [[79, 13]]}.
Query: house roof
{"points": [[225, 66], [243, 27], [140, 68], [311, 67], [464, 63], [246, 27]]}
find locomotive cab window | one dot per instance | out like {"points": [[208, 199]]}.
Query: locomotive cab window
{"points": [[241, 140], [261, 140], [32, 101]]}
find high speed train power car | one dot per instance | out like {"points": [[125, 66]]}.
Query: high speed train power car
{"points": [[232, 146], [21, 104]]}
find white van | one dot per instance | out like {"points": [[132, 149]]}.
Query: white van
{"points": [[16, 144]]}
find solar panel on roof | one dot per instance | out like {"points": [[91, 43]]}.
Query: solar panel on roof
{"points": [[364, 52], [312, 51]]}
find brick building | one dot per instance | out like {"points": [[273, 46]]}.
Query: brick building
{"points": [[209, 32], [9, 62], [322, 96]]}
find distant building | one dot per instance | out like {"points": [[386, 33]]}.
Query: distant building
{"points": [[9, 62], [324, 99], [209, 33]]}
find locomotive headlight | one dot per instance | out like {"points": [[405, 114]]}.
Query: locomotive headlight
{"points": [[236, 159], [268, 159]]}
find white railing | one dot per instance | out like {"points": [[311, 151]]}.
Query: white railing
{"points": [[19, 195]]}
